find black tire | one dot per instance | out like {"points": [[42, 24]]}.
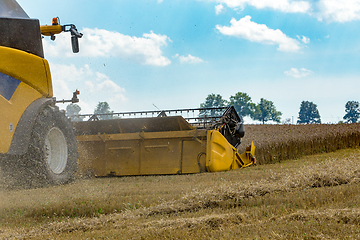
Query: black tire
{"points": [[52, 154]]}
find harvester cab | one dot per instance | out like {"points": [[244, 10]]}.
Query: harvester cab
{"points": [[37, 146]]}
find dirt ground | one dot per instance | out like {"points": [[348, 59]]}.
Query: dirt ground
{"points": [[315, 197]]}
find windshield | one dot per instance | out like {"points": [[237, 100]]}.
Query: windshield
{"points": [[11, 9]]}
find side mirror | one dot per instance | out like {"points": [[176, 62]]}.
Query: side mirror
{"points": [[75, 35], [75, 44]]}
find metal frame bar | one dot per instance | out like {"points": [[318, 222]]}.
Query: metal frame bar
{"points": [[200, 122]]}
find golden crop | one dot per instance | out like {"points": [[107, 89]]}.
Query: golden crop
{"points": [[275, 143]]}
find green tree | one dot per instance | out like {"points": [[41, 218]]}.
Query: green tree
{"points": [[242, 104], [308, 113], [352, 112], [213, 101], [103, 108], [73, 109], [266, 111]]}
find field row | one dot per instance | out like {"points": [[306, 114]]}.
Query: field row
{"points": [[310, 198]]}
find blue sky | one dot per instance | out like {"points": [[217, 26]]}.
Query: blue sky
{"points": [[174, 53]]}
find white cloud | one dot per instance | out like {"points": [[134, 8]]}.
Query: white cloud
{"points": [[219, 9], [323, 10], [304, 39], [246, 29], [281, 5], [102, 43], [337, 10], [296, 73], [189, 59], [160, 1], [94, 87]]}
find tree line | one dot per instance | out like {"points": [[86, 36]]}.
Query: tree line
{"points": [[263, 111], [72, 110]]}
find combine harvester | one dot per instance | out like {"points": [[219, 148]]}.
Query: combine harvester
{"points": [[37, 142], [161, 145], [38, 145]]}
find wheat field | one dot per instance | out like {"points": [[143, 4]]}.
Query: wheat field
{"points": [[313, 196], [275, 143]]}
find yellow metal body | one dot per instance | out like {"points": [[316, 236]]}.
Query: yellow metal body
{"points": [[48, 30], [142, 153], [115, 151], [33, 72], [222, 156]]}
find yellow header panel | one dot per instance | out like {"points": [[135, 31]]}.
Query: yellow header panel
{"points": [[27, 68]]}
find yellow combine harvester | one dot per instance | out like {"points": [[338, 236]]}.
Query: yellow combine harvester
{"points": [[38, 145]]}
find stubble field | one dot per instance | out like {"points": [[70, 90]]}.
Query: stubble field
{"points": [[313, 196]]}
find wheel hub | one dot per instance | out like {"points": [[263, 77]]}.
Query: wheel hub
{"points": [[56, 150]]}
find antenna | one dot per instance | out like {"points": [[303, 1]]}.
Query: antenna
{"points": [[156, 107]]}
